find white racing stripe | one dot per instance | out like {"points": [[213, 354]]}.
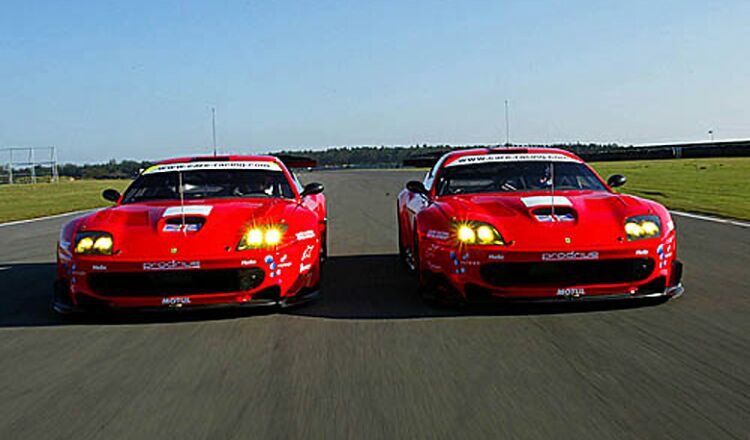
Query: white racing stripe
{"points": [[203, 210], [712, 219], [531, 202]]}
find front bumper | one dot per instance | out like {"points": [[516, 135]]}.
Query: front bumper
{"points": [[464, 274], [62, 304], [282, 277]]}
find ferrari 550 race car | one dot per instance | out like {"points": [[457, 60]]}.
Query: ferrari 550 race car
{"points": [[532, 224], [205, 231]]}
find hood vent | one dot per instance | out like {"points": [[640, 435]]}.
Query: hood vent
{"points": [[561, 214], [192, 224]]}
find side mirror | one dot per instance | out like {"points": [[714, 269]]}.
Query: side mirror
{"points": [[616, 180], [416, 186], [111, 194], [312, 188]]}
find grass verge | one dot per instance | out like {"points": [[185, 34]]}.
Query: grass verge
{"points": [[714, 186], [25, 201]]}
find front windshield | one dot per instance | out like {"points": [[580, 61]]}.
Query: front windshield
{"points": [[209, 184], [492, 177]]}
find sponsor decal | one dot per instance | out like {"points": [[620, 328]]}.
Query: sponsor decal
{"points": [[570, 256], [307, 253], [248, 262], [531, 202], [434, 267], [174, 211], [284, 265], [641, 252], [283, 258], [496, 257], [172, 265], [175, 300], [571, 291], [555, 218], [99, 267], [529, 157], [304, 267], [179, 228], [305, 235], [233, 165], [438, 235]]}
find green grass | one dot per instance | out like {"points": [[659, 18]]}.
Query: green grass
{"points": [[24, 201], [716, 186]]}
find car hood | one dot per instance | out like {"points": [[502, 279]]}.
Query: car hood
{"points": [[213, 228], [583, 218]]}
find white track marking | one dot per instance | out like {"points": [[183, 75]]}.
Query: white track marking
{"points": [[712, 219], [20, 222]]}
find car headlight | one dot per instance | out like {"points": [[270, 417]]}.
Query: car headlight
{"points": [[93, 243], [642, 226], [477, 233], [261, 237]]}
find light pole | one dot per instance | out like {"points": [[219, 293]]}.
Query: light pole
{"points": [[507, 125], [711, 135]]}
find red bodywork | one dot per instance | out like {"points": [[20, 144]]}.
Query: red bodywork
{"points": [[151, 267], [589, 257]]}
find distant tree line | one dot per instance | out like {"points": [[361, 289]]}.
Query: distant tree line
{"points": [[394, 156], [384, 156], [126, 169]]}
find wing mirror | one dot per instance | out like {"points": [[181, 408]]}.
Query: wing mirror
{"points": [[111, 194], [416, 186], [312, 188], [616, 180]]}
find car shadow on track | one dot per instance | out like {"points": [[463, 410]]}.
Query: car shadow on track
{"points": [[354, 287], [379, 287]]}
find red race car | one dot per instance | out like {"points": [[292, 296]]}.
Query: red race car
{"points": [[532, 224], [204, 231]]}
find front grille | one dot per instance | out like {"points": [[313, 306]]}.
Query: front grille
{"points": [[567, 273], [175, 282]]}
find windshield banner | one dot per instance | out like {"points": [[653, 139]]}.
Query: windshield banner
{"points": [[195, 166], [531, 157]]}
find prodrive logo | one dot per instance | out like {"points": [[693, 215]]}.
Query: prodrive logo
{"points": [[570, 256], [172, 265]]}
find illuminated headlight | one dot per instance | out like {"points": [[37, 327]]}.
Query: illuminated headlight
{"points": [[478, 233], [642, 226], [262, 236], [93, 243]]}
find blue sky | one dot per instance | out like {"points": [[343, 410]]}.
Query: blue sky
{"points": [[134, 79]]}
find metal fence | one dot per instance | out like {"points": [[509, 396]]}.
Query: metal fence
{"points": [[28, 165]]}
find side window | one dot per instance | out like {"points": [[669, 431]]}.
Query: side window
{"points": [[430, 177], [296, 182]]}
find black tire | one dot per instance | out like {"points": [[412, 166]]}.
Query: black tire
{"points": [[401, 248], [324, 246]]}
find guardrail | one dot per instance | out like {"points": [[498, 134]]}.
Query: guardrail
{"points": [[672, 151]]}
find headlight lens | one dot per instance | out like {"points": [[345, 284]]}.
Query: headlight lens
{"points": [[642, 226], [478, 233], [262, 236], [94, 243]]}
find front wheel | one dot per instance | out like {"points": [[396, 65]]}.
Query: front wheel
{"points": [[324, 246]]}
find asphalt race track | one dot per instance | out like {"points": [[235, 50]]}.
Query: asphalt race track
{"points": [[370, 361]]}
